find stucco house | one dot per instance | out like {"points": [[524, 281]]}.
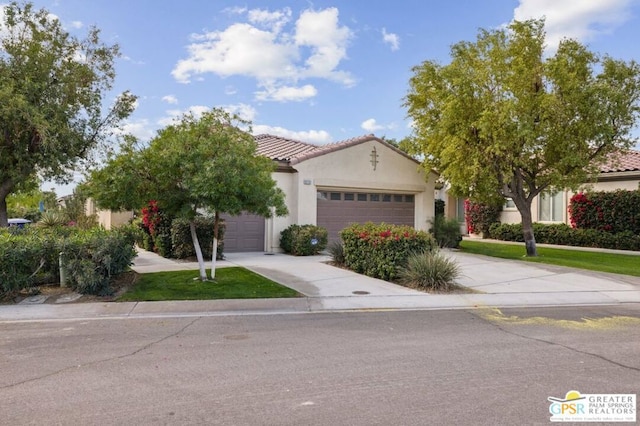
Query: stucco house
{"points": [[622, 171], [356, 180]]}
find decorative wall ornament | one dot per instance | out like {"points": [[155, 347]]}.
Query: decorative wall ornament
{"points": [[374, 158]]}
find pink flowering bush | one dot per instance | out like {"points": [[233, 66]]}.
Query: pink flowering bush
{"points": [[480, 216], [613, 212], [379, 250]]}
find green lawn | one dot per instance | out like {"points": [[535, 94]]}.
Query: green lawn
{"points": [[231, 283], [595, 261]]}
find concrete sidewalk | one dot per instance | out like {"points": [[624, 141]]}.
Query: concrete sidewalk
{"points": [[503, 283]]}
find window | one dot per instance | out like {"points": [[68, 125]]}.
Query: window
{"points": [[374, 197], [322, 195], [349, 196], [335, 196], [460, 209], [408, 199], [386, 198], [551, 207], [397, 198], [509, 204], [362, 197]]}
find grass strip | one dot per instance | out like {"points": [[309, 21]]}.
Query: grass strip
{"points": [[230, 283], [595, 261]]}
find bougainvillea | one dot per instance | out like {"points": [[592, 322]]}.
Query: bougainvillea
{"points": [[616, 211], [480, 216], [151, 217]]}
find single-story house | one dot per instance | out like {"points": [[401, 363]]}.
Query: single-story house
{"points": [[622, 171], [107, 218], [356, 180]]}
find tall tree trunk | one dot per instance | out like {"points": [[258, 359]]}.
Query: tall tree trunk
{"points": [[196, 246], [5, 190], [527, 230], [216, 227]]}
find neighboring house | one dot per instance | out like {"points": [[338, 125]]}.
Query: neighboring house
{"points": [[107, 218], [621, 172], [357, 180]]}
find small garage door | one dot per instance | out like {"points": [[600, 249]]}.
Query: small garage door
{"points": [[243, 233], [336, 210]]}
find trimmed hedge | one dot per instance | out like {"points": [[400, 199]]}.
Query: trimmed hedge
{"points": [[182, 244], [563, 234], [615, 212], [379, 250], [92, 258], [303, 240]]}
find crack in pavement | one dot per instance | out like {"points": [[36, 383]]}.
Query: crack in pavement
{"points": [[137, 351], [548, 342]]}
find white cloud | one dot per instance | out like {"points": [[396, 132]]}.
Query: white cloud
{"points": [[170, 99], [244, 111], [318, 137], [241, 49], [77, 24], [579, 19], [230, 90], [328, 42], [371, 125], [275, 52], [287, 93], [141, 129], [272, 20], [391, 39], [175, 114]]}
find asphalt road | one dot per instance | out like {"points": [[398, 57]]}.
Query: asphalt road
{"points": [[459, 367]]}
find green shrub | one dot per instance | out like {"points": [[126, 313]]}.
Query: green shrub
{"points": [[446, 231], [439, 207], [430, 270], [182, 244], [31, 258], [377, 250], [303, 240], [336, 251], [563, 234]]}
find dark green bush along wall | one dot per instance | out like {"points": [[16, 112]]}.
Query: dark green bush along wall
{"points": [[563, 234], [182, 245], [303, 240]]}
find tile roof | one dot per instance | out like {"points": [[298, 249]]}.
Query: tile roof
{"points": [[627, 161], [293, 152], [282, 149]]}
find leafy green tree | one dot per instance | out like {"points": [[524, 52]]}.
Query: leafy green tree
{"points": [[27, 203], [198, 163], [505, 120], [52, 88]]}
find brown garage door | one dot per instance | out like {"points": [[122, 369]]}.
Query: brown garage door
{"points": [[243, 233], [336, 210]]}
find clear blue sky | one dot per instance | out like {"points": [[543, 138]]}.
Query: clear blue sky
{"points": [[317, 71]]}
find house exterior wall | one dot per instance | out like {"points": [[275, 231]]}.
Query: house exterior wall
{"points": [[107, 218], [610, 182], [351, 169]]}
